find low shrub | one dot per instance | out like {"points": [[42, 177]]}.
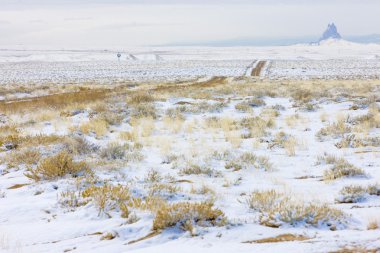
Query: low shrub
{"points": [[57, 166], [277, 209], [186, 215]]}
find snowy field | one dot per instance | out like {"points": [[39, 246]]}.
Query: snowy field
{"points": [[330, 60], [182, 150]]}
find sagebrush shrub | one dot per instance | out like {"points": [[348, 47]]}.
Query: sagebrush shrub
{"points": [[277, 209], [57, 166], [185, 213]]}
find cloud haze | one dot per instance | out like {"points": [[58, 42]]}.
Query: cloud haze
{"points": [[116, 23]]}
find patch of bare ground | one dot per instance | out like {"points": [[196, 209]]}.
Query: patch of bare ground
{"points": [[148, 236], [356, 249], [257, 70], [281, 238]]}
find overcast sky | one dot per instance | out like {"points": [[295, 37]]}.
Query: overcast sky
{"points": [[112, 23]]}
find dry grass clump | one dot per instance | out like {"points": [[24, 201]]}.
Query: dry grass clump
{"points": [[294, 120], [303, 95], [56, 101], [247, 106], [194, 169], [257, 126], [175, 113], [142, 105], [71, 200], [203, 107], [227, 124], [108, 197], [153, 176], [283, 140], [248, 160], [374, 190], [243, 107], [355, 193], [352, 141], [335, 130], [370, 120], [112, 118], [165, 190], [145, 110], [57, 166], [25, 156], [140, 98], [352, 194], [342, 169], [202, 190], [277, 209], [78, 145], [97, 126], [17, 141], [113, 151], [187, 215]]}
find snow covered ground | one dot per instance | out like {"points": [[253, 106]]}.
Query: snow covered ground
{"points": [[220, 144], [328, 60], [287, 164]]}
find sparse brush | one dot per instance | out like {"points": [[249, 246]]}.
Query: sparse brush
{"points": [[112, 118], [57, 101], [277, 209], [203, 107], [78, 145], [249, 160], [175, 113], [257, 126], [374, 190], [57, 166], [146, 110], [113, 151], [193, 169], [153, 176], [140, 98], [243, 107], [203, 190], [352, 194], [25, 156], [183, 214], [109, 197], [247, 106], [334, 130], [163, 190], [342, 169], [71, 200], [356, 193], [97, 126], [283, 140], [352, 141]]}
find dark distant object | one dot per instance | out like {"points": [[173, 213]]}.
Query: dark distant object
{"points": [[118, 56], [330, 33]]}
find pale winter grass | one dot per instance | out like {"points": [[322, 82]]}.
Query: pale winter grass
{"points": [[97, 126], [340, 168], [277, 209], [57, 166], [187, 215], [357, 193]]}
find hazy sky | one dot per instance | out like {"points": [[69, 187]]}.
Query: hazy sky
{"points": [[112, 23]]}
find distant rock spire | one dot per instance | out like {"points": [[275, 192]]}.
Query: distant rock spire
{"points": [[330, 33]]}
